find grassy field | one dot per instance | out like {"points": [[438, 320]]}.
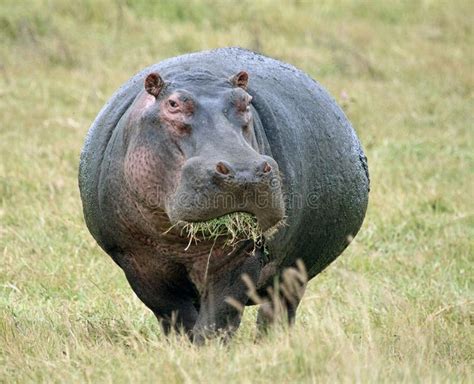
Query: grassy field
{"points": [[397, 306]]}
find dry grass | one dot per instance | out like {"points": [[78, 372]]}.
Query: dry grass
{"points": [[396, 307]]}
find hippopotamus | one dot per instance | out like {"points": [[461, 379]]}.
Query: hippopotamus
{"points": [[189, 130]]}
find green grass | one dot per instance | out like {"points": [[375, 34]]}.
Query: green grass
{"points": [[397, 306], [232, 227]]}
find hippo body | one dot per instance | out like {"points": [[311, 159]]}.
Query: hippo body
{"points": [[213, 121]]}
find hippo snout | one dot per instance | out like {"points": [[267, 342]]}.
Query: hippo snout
{"points": [[217, 172], [214, 186]]}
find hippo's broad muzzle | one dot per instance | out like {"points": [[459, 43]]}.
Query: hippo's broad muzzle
{"points": [[214, 187]]}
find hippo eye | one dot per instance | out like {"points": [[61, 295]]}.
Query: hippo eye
{"points": [[173, 103]]}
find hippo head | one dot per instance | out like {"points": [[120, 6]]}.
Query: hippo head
{"points": [[192, 151]]}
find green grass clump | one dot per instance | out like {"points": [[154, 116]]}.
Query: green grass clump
{"points": [[234, 227]]}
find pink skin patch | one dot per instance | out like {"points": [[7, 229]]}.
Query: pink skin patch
{"points": [[150, 176], [142, 103]]}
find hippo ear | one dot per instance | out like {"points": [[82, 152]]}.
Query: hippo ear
{"points": [[240, 80], [154, 84]]}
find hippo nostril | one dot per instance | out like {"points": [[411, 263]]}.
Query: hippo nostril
{"points": [[222, 168], [266, 167]]}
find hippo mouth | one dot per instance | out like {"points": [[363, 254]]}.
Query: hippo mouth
{"points": [[231, 228]]}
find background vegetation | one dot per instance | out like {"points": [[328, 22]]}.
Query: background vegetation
{"points": [[397, 306]]}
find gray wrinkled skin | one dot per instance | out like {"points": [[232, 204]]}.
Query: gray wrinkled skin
{"points": [[319, 181]]}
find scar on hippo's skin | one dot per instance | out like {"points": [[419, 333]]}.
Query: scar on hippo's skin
{"points": [[154, 84], [240, 80]]}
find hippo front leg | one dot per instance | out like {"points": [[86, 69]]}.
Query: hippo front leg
{"points": [[165, 289], [219, 315]]}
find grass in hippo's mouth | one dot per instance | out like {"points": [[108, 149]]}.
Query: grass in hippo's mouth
{"points": [[234, 227]]}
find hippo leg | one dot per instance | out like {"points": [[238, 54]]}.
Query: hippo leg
{"points": [[172, 303], [283, 299], [223, 302]]}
